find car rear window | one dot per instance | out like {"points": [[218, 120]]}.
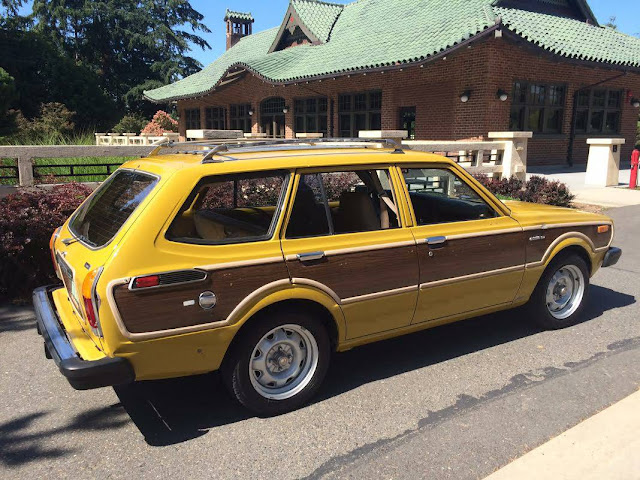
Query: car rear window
{"points": [[99, 219]]}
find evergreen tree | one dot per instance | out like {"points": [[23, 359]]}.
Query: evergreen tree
{"points": [[131, 45]]}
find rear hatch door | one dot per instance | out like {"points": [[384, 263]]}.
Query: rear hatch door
{"points": [[92, 234]]}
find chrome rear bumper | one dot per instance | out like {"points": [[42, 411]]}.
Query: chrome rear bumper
{"points": [[81, 374]]}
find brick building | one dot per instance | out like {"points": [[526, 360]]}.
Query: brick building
{"points": [[441, 69]]}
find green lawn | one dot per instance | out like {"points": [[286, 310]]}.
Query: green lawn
{"points": [[86, 171]]}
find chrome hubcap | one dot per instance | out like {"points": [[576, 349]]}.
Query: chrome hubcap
{"points": [[283, 362], [565, 291]]}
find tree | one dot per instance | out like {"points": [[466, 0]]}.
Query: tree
{"points": [[43, 74], [7, 97], [10, 7], [127, 43]]}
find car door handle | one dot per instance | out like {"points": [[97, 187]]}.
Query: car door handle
{"points": [[309, 257], [436, 242]]}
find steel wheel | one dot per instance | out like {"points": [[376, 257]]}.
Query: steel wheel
{"points": [[565, 291], [283, 362]]}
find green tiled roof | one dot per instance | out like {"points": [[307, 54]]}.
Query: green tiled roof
{"points": [[571, 38], [239, 15], [370, 34], [319, 17]]}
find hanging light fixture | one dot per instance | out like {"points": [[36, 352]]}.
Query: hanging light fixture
{"points": [[635, 103], [466, 95], [502, 95]]}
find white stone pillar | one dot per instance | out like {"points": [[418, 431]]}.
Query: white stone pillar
{"points": [[603, 165], [514, 157], [395, 135]]}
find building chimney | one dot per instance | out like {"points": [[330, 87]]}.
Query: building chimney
{"points": [[239, 24]]}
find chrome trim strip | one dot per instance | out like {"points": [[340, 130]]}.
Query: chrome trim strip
{"points": [[472, 276], [96, 304], [375, 295]]}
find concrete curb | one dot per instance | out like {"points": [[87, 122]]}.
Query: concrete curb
{"points": [[603, 446]]}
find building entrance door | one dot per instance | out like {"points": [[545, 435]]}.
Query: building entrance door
{"points": [[272, 120], [408, 121]]}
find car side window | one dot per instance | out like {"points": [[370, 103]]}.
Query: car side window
{"points": [[439, 196], [342, 202], [230, 209]]}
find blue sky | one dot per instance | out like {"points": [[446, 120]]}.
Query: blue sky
{"points": [[269, 13]]}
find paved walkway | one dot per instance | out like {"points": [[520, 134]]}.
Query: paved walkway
{"points": [[604, 446], [574, 177]]}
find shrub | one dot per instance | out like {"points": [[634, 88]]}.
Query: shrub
{"points": [[53, 124], [130, 124], [27, 220], [536, 190], [161, 123]]}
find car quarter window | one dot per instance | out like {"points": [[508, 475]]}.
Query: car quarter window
{"points": [[230, 209], [440, 196], [347, 201]]}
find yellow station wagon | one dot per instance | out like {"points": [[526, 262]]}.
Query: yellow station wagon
{"points": [[262, 260]]}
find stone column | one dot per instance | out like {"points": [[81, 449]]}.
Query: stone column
{"points": [[514, 159], [603, 165], [395, 135]]}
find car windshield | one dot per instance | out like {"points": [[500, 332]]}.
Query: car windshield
{"points": [[100, 218]]}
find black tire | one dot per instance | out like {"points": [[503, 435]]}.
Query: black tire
{"points": [[537, 308], [235, 369]]}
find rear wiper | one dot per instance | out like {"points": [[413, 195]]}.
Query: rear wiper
{"points": [[69, 241]]}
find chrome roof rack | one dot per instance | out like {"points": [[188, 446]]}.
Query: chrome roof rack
{"points": [[299, 144], [212, 150]]}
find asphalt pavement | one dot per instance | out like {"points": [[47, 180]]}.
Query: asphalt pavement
{"points": [[459, 401]]}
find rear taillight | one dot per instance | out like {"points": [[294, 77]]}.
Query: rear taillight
{"points": [[52, 248], [146, 281], [91, 300]]}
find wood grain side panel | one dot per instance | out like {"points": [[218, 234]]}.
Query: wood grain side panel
{"points": [[163, 309], [361, 273], [537, 248], [466, 256]]}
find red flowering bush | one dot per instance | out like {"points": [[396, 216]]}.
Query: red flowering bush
{"points": [[160, 123], [536, 190], [27, 221]]}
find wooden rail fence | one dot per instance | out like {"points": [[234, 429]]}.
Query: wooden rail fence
{"points": [[25, 172]]}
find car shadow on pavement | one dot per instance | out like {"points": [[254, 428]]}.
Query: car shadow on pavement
{"points": [[172, 411], [22, 441]]}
